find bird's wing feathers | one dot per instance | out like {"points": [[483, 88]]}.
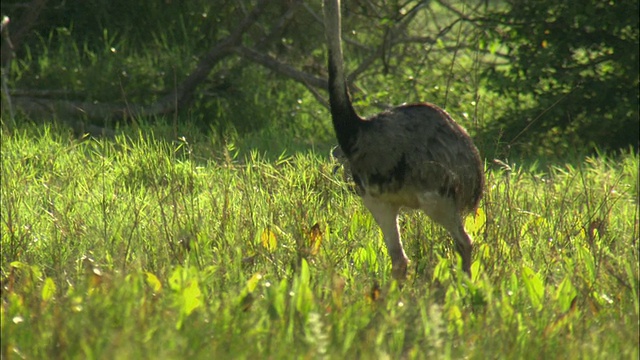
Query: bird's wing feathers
{"points": [[415, 148]]}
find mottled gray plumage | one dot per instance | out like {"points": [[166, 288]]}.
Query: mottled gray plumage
{"points": [[413, 156], [413, 149]]}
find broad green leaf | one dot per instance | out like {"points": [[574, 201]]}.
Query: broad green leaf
{"points": [[192, 297], [48, 289], [565, 294], [534, 286], [304, 272], [454, 316], [252, 283], [153, 282], [477, 269], [442, 271], [175, 280], [33, 269], [277, 298], [588, 262], [493, 47], [513, 283], [19, 265], [303, 293]]}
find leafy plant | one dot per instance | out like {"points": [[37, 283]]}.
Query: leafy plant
{"points": [[141, 247], [571, 74]]}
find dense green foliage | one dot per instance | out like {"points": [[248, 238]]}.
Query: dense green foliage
{"points": [[141, 248], [526, 78], [579, 67], [223, 231]]}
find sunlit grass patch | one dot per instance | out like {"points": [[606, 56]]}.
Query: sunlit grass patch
{"points": [[143, 248]]}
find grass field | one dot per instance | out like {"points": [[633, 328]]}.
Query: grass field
{"points": [[145, 248]]}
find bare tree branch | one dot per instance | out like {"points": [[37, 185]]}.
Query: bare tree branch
{"points": [[178, 99], [279, 26], [184, 93], [281, 68], [461, 14], [395, 35]]}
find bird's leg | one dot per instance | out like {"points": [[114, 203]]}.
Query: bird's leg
{"points": [[386, 215], [463, 246], [444, 212], [462, 241]]}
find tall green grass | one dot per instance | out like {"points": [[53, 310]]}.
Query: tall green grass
{"points": [[145, 248]]}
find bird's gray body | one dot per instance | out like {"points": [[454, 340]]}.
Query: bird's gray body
{"points": [[415, 149], [412, 156]]}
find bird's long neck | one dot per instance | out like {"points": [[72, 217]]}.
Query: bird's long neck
{"points": [[345, 118]]}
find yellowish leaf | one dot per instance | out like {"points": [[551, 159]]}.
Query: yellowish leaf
{"points": [[315, 239], [374, 294], [48, 289], [153, 282], [268, 239], [192, 297], [253, 282], [474, 224]]}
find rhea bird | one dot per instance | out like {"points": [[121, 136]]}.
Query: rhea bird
{"points": [[414, 156]]}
